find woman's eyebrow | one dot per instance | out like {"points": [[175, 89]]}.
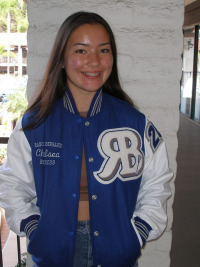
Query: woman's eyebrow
{"points": [[86, 44], [105, 44]]}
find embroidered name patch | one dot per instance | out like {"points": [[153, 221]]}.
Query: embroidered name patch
{"points": [[47, 152], [121, 149]]}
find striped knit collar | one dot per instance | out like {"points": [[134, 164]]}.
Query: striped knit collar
{"points": [[95, 106]]}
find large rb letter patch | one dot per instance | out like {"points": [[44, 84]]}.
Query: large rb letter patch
{"points": [[121, 149]]}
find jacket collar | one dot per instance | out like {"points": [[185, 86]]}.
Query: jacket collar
{"points": [[95, 106]]}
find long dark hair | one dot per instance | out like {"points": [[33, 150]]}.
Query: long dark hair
{"points": [[54, 80]]}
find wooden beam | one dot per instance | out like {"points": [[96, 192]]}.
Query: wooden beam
{"points": [[192, 14], [4, 140]]}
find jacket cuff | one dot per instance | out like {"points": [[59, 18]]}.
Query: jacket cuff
{"points": [[29, 224], [143, 229]]}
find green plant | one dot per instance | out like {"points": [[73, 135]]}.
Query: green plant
{"points": [[11, 110], [4, 53], [17, 10], [13, 106], [3, 153], [23, 260]]}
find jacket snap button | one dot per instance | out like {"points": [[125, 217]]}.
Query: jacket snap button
{"points": [[91, 159], [76, 157], [87, 123], [79, 120], [94, 197], [96, 233]]}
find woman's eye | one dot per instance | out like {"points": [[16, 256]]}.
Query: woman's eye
{"points": [[80, 51], [104, 50]]}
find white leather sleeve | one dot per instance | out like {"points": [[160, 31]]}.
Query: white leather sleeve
{"points": [[17, 187], [154, 189]]}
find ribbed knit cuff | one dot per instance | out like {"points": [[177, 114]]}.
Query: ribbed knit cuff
{"points": [[143, 229], [29, 224]]}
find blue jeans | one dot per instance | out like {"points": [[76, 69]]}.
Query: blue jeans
{"points": [[83, 246]]}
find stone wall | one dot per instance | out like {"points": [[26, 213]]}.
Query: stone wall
{"points": [[149, 40]]}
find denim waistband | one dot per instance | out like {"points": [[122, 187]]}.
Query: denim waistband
{"points": [[83, 226]]}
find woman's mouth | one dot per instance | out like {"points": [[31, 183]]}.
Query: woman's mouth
{"points": [[92, 74]]}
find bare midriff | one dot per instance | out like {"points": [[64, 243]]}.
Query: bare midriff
{"points": [[83, 210]]}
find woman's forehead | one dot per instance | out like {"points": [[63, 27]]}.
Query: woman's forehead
{"points": [[89, 33]]}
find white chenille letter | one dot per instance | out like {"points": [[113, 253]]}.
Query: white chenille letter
{"points": [[123, 157]]}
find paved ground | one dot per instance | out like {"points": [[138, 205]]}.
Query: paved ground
{"points": [[10, 258], [186, 226]]}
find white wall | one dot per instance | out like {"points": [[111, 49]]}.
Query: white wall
{"points": [[149, 40]]}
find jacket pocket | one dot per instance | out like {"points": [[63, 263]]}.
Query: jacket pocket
{"points": [[29, 225], [49, 247], [142, 230], [136, 234]]}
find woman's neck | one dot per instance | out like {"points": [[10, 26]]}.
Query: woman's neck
{"points": [[82, 99]]}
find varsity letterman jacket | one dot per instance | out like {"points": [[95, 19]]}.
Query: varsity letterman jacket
{"points": [[128, 182]]}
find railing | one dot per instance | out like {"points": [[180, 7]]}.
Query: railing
{"points": [[4, 140], [13, 61]]}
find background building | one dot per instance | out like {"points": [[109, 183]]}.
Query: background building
{"points": [[18, 57]]}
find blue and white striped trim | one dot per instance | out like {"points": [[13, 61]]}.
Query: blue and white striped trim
{"points": [[30, 227], [29, 224], [143, 229], [68, 103], [97, 105]]}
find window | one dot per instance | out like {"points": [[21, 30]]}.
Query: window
{"points": [[187, 72], [190, 82], [197, 95]]}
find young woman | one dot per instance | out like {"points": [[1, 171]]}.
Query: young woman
{"points": [[97, 166]]}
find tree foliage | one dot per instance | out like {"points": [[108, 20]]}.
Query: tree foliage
{"points": [[23, 260], [4, 53], [14, 106], [18, 14]]}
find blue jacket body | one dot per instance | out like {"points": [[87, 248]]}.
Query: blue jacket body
{"points": [[127, 172]]}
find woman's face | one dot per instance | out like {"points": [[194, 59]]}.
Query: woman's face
{"points": [[88, 58]]}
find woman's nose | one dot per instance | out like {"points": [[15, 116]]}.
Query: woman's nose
{"points": [[93, 60]]}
